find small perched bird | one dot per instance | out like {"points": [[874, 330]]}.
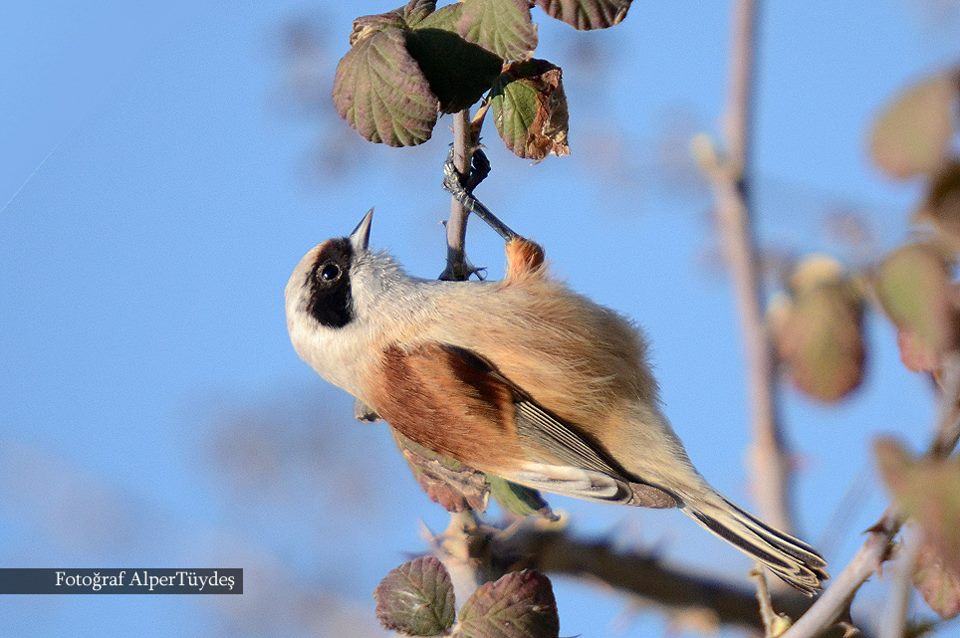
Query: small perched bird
{"points": [[522, 378]]}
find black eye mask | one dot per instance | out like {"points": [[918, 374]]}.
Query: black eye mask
{"points": [[330, 302]]}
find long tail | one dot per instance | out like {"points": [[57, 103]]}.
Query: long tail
{"points": [[798, 564]]}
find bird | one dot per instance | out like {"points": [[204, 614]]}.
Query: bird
{"points": [[522, 378]]}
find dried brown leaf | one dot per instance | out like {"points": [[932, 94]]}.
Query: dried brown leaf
{"points": [[530, 109]]}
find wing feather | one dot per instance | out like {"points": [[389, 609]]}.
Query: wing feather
{"points": [[456, 403]]}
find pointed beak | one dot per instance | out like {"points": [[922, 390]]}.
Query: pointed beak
{"points": [[360, 237]]}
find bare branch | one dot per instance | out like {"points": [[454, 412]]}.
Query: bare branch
{"points": [[773, 623], [458, 269], [487, 552], [769, 457], [898, 602]]}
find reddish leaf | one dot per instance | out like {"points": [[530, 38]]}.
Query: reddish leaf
{"points": [[927, 491], [520, 604], [912, 136], [416, 598], [381, 92], [530, 109], [912, 285], [503, 27], [938, 585], [819, 331], [915, 354], [452, 485], [587, 14]]}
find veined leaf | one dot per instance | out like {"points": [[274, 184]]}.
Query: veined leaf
{"points": [[503, 27], [587, 14], [520, 604], [381, 92], [416, 598]]}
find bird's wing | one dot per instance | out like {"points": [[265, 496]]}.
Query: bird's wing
{"points": [[457, 403]]}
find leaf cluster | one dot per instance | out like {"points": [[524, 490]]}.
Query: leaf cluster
{"points": [[817, 324], [407, 66], [417, 599]]}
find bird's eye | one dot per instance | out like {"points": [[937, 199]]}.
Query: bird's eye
{"points": [[330, 272]]}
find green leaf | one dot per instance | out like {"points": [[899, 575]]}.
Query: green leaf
{"points": [[912, 135], [381, 92], [518, 499], [928, 491], [459, 72], [587, 14], [938, 585], [820, 339], [941, 207], [446, 18], [416, 598], [413, 13], [912, 285], [530, 109], [503, 27], [417, 11], [518, 605]]}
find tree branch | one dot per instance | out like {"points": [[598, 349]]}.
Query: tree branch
{"points": [[835, 601], [897, 608], [769, 458], [458, 269], [550, 548]]}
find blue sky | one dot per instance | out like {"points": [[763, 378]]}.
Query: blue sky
{"points": [[158, 182]]}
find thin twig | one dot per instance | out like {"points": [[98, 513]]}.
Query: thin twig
{"points": [[767, 614], [458, 269], [897, 608], [769, 457], [835, 601]]}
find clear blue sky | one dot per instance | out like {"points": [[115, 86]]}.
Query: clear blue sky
{"points": [[158, 183]]}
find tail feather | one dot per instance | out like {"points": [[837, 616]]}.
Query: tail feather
{"points": [[792, 560]]}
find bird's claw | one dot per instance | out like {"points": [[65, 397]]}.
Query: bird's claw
{"points": [[458, 184], [461, 188]]}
